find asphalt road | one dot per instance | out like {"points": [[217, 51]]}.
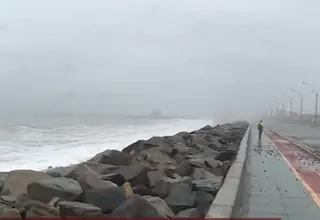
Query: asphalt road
{"points": [[308, 134]]}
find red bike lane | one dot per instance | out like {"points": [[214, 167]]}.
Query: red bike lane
{"points": [[305, 165]]}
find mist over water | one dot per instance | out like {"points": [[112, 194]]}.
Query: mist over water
{"points": [[76, 60]]}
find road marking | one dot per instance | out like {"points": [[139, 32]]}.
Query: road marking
{"points": [[312, 193]]}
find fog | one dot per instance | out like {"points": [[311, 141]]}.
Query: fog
{"points": [[200, 57]]}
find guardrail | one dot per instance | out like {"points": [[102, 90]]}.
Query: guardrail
{"points": [[230, 199]]}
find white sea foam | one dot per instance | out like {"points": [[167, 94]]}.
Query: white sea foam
{"points": [[29, 147]]}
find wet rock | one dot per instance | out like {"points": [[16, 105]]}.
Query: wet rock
{"points": [[60, 171], [160, 205], [136, 147], [135, 174], [99, 168], [89, 179], [45, 190], [201, 173], [175, 139], [112, 157], [205, 162], [3, 177], [8, 200], [189, 213], [155, 176], [198, 140], [181, 197], [226, 155], [142, 145], [163, 187], [9, 212], [115, 178], [204, 197], [78, 209], [211, 185], [143, 191], [185, 135], [136, 207], [107, 199], [184, 169], [37, 209], [21, 201], [54, 201], [157, 156], [18, 180]]}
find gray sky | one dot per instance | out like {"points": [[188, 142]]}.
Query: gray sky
{"points": [[131, 56]]}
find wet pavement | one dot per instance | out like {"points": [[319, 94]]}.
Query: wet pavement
{"points": [[275, 189]]}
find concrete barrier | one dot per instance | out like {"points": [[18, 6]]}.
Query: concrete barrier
{"points": [[230, 200]]}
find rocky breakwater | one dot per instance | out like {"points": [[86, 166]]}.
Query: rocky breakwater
{"points": [[166, 177]]}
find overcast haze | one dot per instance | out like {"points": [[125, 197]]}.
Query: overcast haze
{"points": [[185, 57]]}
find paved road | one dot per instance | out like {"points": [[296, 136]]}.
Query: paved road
{"points": [[275, 190], [307, 134]]}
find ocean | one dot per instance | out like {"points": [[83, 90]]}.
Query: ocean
{"points": [[42, 141]]}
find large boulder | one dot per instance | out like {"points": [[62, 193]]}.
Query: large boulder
{"points": [[185, 135], [157, 156], [107, 199], [60, 171], [189, 213], [141, 145], [112, 157], [17, 181], [226, 155], [136, 174], [163, 187], [181, 197], [160, 205], [37, 209], [205, 162], [78, 209], [198, 140], [9, 212], [89, 179], [211, 185], [155, 176], [98, 168], [184, 168], [8, 199], [114, 177], [136, 207], [45, 190], [136, 147], [201, 173], [3, 178]]}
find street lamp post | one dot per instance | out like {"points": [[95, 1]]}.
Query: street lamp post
{"points": [[291, 107], [301, 102], [301, 106], [316, 107]]}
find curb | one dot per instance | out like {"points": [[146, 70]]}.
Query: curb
{"points": [[225, 203]]}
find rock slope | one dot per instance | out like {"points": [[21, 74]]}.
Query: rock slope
{"points": [[165, 177]]}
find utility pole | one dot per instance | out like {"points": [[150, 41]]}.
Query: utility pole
{"points": [[301, 107], [277, 109], [283, 110], [291, 107], [316, 110]]}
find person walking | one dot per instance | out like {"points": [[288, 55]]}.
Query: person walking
{"points": [[260, 128]]}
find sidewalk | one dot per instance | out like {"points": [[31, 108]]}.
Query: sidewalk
{"points": [[275, 190]]}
